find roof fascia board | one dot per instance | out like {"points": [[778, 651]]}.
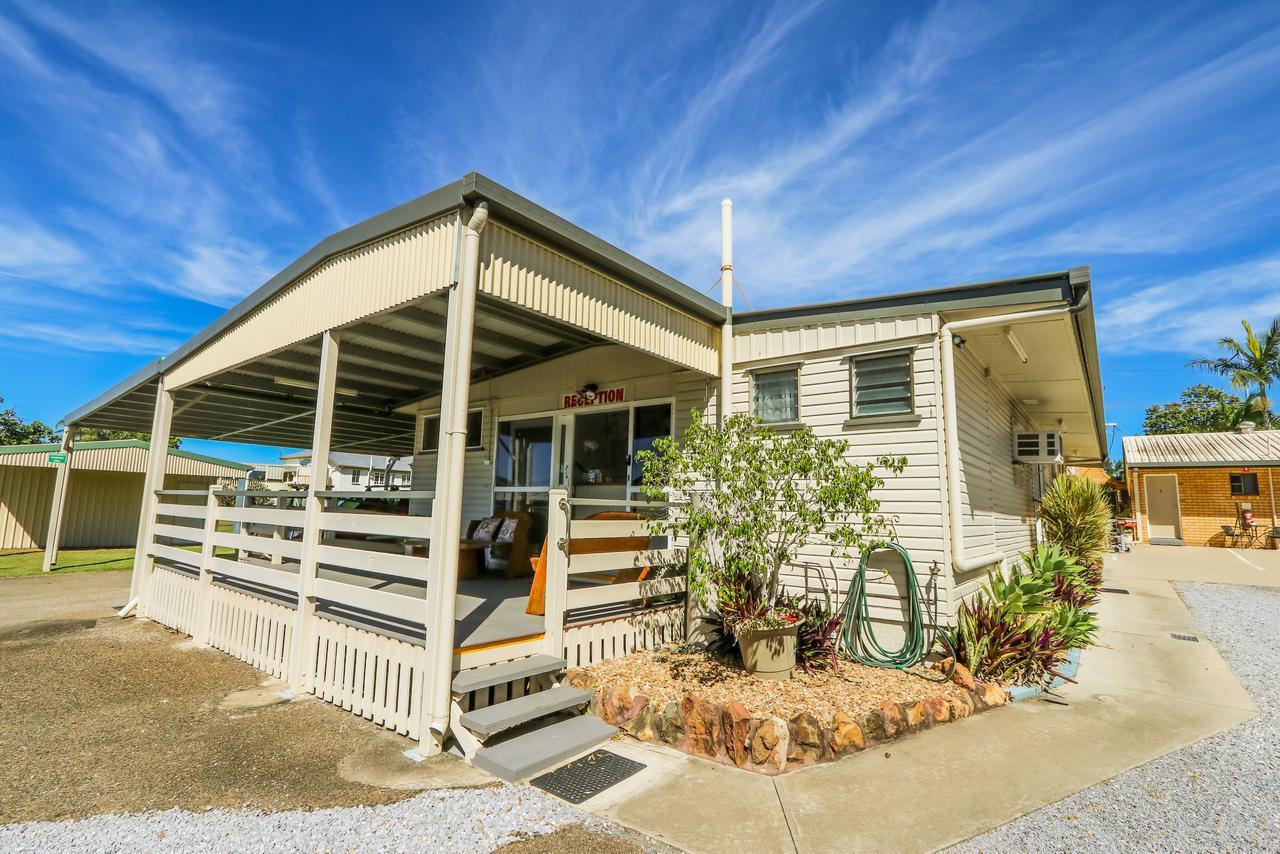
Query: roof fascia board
{"points": [[1051, 287], [1214, 464]]}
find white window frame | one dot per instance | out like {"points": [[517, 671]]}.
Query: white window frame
{"points": [[853, 358], [426, 417], [777, 369], [354, 476]]}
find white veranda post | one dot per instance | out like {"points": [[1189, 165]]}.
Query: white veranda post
{"points": [[153, 479], [446, 508], [724, 406], [58, 512], [326, 385]]}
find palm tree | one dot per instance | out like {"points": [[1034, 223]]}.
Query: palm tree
{"points": [[1252, 362]]}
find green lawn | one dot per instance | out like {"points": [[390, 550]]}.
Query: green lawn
{"points": [[15, 562]]}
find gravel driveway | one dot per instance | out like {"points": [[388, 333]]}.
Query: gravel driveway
{"points": [[463, 820], [1222, 793]]}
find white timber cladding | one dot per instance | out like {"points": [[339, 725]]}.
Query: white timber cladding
{"points": [[913, 501], [996, 494], [369, 279], [529, 273], [540, 390], [102, 507]]}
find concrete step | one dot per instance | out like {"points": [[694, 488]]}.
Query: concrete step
{"points": [[508, 671], [539, 749], [512, 713]]}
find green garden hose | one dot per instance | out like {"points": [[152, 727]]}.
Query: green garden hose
{"points": [[857, 636]]}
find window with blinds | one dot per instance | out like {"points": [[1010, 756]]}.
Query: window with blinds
{"points": [[775, 395], [881, 384]]}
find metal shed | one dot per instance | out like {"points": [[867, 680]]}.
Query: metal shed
{"points": [[104, 498]]}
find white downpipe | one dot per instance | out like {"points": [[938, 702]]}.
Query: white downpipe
{"points": [[724, 407], [450, 463], [955, 513]]}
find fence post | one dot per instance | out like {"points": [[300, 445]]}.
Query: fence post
{"points": [[204, 590], [557, 580]]}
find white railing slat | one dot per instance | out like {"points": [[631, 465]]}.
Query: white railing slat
{"points": [[263, 545], [610, 594], [291, 518], [381, 524], [592, 529], [607, 561], [185, 511], [396, 605], [385, 563], [178, 532], [175, 554], [256, 574]]}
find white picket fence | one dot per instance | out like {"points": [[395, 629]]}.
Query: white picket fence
{"points": [[229, 576]]}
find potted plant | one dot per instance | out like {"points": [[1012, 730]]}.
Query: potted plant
{"points": [[748, 499]]}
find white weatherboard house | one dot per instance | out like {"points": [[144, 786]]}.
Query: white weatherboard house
{"points": [[345, 471], [522, 362]]}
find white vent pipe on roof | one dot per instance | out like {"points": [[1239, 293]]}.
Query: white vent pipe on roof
{"points": [[724, 407], [960, 562]]}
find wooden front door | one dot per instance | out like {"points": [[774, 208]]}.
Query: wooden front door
{"points": [[1164, 523]]}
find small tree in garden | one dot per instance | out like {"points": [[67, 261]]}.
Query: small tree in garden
{"points": [[1077, 517], [751, 498]]}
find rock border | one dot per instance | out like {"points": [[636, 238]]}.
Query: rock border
{"points": [[728, 733]]}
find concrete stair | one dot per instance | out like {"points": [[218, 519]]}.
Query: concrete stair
{"points": [[492, 720], [523, 736], [542, 747]]}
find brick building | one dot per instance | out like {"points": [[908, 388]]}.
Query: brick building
{"points": [[1205, 489]]}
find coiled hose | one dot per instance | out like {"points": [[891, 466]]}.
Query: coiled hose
{"points": [[857, 635]]}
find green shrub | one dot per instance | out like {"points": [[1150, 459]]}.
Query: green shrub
{"points": [[1071, 582], [1077, 517]]}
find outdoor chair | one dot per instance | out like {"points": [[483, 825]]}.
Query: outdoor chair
{"points": [[508, 533], [596, 545], [1231, 535]]}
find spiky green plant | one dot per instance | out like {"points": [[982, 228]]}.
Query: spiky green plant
{"points": [[1072, 582], [1077, 517]]}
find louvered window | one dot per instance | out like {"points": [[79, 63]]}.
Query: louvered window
{"points": [[882, 384]]}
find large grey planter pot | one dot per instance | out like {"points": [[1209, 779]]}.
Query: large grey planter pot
{"points": [[769, 653]]}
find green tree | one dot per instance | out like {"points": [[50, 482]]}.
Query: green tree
{"points": [[1251, 363], [751, 498], [1202, 409], [96, 434], [15, 431]]}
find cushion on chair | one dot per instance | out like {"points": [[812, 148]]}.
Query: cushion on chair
{"points": [[487, 528]]}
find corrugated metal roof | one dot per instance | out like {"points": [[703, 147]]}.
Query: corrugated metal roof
{"points": [[343, 459], [1258, 448], [84, 455]]}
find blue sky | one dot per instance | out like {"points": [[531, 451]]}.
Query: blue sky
{"points": [[158, 162]]}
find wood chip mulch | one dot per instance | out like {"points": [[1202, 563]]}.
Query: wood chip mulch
{"points": [[854, 689]]}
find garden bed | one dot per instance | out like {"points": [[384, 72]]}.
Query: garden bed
{"points": [[714, 709]]}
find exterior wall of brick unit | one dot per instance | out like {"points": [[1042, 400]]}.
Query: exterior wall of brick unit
{"points": [[1205, 501]]}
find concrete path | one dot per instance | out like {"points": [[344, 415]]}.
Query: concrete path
{"points": [[1142, 694]]}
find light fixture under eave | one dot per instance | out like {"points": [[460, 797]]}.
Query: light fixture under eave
{"points": [[292, 383], [1031, 401], [1016, 344]]}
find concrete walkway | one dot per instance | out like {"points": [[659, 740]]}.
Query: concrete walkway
{"points": [[1142, 694]]}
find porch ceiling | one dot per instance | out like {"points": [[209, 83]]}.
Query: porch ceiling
{"points": [[386, 361]]}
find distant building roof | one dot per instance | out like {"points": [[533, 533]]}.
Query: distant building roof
{"points": [[342, 459], [126, 455], [1189, 450]]}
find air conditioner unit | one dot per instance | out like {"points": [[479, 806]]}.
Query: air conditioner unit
{"points": [[1037, 447]]}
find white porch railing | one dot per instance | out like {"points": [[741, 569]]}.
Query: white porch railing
{"points": [[229, 577], [590, 615]]}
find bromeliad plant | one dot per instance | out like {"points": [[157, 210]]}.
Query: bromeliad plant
{"points": [[751, 498], [1019, 627]]}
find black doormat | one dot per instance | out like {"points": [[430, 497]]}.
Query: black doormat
{"points": [[586, 777]]}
